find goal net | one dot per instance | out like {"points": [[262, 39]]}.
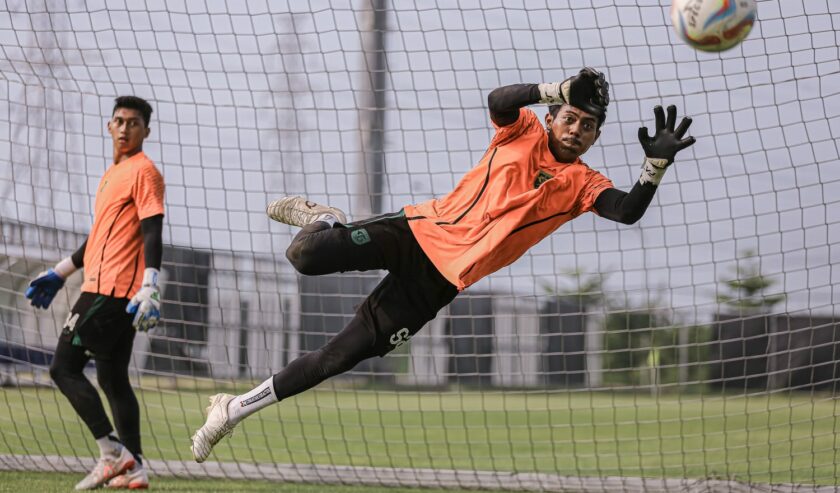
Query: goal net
{"points": [[696, 350]]}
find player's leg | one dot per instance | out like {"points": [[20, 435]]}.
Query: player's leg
{"points": [[112, 373], [395, 310], [66, 370], [355, 343], [376, 243]]}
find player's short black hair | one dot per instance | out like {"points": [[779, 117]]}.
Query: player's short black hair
{"points": [[134, 103]]}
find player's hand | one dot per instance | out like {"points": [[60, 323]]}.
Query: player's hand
{"points": [[145, 305], [43, 288], [588, 90], [666, 142]]}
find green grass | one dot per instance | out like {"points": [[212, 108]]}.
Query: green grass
{"points": [[770, 439], [55, 482]]}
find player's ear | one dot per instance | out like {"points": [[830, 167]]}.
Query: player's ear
{"points": [[597, 134], [148, 130], [548, 120]]}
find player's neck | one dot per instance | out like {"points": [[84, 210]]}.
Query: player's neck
{"points": [[122, 156]]}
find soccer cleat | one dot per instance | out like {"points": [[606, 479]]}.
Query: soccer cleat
{"points": [[107, 468], [297, 211], [133, 479], [215, 428]]}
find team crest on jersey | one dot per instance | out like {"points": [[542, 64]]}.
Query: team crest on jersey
{"points": [[542, 177]]}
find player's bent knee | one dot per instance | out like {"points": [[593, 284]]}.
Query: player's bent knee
{"points": [[59, 375], [303, 261]]}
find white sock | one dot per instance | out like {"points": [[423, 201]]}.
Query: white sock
{"points": [[109, 445], [327, 218], [250, 402]]}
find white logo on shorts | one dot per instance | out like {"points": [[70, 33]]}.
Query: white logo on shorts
{"points": [[70, 322], [399, 338]]}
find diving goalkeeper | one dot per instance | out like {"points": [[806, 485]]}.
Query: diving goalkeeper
{"points": [[530, 182]]}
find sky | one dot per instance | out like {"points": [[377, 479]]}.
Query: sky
{"points": [[254, 100]]}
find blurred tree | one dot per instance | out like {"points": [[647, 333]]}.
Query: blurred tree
{"points": [[748, 287]]}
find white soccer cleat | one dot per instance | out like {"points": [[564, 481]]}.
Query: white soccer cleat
{"points": [[106, 468], [215, 428], [297, 211], [133, 479]]}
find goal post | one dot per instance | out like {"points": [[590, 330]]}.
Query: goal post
{"points": [[696, 350]]}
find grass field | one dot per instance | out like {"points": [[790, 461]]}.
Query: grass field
{"points": [[768, 439], [55, 483]]}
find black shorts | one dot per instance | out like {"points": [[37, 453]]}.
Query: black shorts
{"points": [[413, 291], [96, 323]]}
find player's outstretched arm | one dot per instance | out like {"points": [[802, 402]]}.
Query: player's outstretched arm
{"points": [[42, 289], [587, 90], [660, 151], [145, 305]]}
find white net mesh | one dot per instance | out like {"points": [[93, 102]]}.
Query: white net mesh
{"points": [[699, 343]]}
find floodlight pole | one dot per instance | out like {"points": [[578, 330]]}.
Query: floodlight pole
{"points": [[372, 114]]}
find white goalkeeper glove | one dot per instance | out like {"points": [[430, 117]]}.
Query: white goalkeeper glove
{"points": [[146, 303]]}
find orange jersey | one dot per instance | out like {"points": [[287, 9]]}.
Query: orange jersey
{"points": [[128, 192], [516, 196]]}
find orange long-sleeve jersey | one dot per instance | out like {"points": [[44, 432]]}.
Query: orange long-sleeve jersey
{"points": [[517, 195]]}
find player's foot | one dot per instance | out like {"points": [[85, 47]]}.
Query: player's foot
{"points": [[133, 479], [107, 468], [297, 211], [215, 428]]}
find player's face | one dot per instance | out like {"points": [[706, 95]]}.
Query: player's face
{"points": [[128, 130], [571, 132]]}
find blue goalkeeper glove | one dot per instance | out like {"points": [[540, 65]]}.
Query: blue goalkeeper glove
{"points": [[145, 305], [42, 289]]}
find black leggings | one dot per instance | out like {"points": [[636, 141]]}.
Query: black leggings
{"points": [[345, 350], [406, 299], [112, 373], [319, 249]]}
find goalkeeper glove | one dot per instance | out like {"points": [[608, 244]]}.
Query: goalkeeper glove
{"points": [[588, 91], [42, 289], [661, 149], [146, 303]]}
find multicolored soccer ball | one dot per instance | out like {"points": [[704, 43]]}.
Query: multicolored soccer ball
{"points": [[713, 25]]}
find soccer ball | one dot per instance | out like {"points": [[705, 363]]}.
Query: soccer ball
{"points": [[713, 25]]}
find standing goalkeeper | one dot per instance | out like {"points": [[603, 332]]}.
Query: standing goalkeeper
{"points": [[121, 259], [529, 182]]}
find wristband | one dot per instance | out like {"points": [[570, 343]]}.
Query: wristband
{"points": [[653, 170], [554, 92], [65, 267], [150, 277]]}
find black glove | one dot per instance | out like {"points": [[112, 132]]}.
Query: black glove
{"points": [[667, 142], [588, 91]]}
